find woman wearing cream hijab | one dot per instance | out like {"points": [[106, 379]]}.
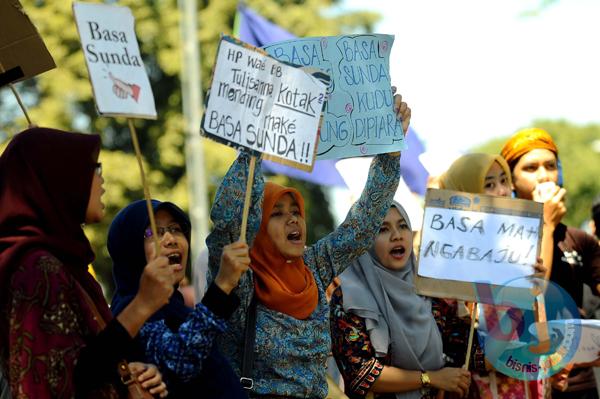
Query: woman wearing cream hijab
{"points": [[478, 174]]}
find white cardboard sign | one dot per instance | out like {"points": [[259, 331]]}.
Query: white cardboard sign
{"points": [[261, 105], [119, 80], [470, 238]]}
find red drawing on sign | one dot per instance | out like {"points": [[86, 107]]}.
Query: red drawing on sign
{"points": [[124, 90]]}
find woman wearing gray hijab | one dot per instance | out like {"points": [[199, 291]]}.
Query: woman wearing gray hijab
{"points": [[385, 339]]}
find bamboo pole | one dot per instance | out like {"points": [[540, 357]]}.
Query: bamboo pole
{"points": [[18, 97], [138, 155], [471, 333], [247, 198]]}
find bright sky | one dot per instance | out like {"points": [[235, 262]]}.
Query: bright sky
{"points": [[472, 70]]}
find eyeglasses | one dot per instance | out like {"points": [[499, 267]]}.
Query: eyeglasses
{"points": [[174, 229], [98, 168]]}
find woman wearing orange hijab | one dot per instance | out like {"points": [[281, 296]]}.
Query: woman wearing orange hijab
{"points": [[288, 279]]}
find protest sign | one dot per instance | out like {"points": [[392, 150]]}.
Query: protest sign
{"points": [[119, 80], [585, 347], [472, 245], [359, 117], [261, 105], [22, 50]]}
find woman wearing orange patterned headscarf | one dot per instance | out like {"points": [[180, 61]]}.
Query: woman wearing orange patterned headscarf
{"points": [[285, 289], [283, 282], [526, 140]]}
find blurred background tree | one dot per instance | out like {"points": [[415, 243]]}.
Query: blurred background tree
{"points": [[62, 98]]}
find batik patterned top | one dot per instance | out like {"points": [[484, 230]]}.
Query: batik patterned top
{"points": [[56, 346], [354, 353], [183, 351], [290, 353]]}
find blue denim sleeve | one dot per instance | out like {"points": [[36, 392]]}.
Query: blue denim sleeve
{"points": [[183, 351]]}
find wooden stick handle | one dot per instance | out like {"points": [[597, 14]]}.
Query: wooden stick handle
{"points": [[138, 155], [471, 333], [249, 182], [541, 325], [18, 97]]}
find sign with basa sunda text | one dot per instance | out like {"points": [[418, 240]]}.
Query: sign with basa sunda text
{"points": [[473, 239], [359, 117], [119, 80], [261, 105]]}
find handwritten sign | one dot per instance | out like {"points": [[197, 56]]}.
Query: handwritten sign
{"points": [[471, 238], [119, 80], [359, 118], [22, 50], [264, 106]]}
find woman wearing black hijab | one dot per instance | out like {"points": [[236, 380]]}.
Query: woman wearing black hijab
{"points": [[177, 338]]}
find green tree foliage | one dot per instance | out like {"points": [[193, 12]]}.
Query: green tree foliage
{"points": [[578, 148], [62, 98]]}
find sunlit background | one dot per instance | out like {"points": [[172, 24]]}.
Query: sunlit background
{"points": [[472, 71]]}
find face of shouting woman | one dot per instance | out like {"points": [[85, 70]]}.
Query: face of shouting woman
{"points": [[173, 242], [394, 243], [287, 228]]}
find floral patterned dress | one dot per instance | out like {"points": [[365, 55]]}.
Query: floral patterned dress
{"points": [[290, 354], [354, 353]]}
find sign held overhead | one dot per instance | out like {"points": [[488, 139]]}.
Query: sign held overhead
{"points": [[261, 105], [119, 80], [359, 117]]}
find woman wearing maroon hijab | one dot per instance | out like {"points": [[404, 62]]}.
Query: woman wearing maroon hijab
{"points": [[52, 341]]}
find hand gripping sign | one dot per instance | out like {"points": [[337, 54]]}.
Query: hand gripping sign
{"points": [[481, 249], [263, 106]]}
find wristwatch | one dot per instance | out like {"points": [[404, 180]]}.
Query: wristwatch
{"points": [[425, 381]]}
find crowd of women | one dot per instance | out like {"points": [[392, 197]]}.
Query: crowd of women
{"points": [[265, 325]]}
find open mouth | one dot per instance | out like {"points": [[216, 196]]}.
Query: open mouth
{"points": [[174, 259], [398, 252], [294, 236]]}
